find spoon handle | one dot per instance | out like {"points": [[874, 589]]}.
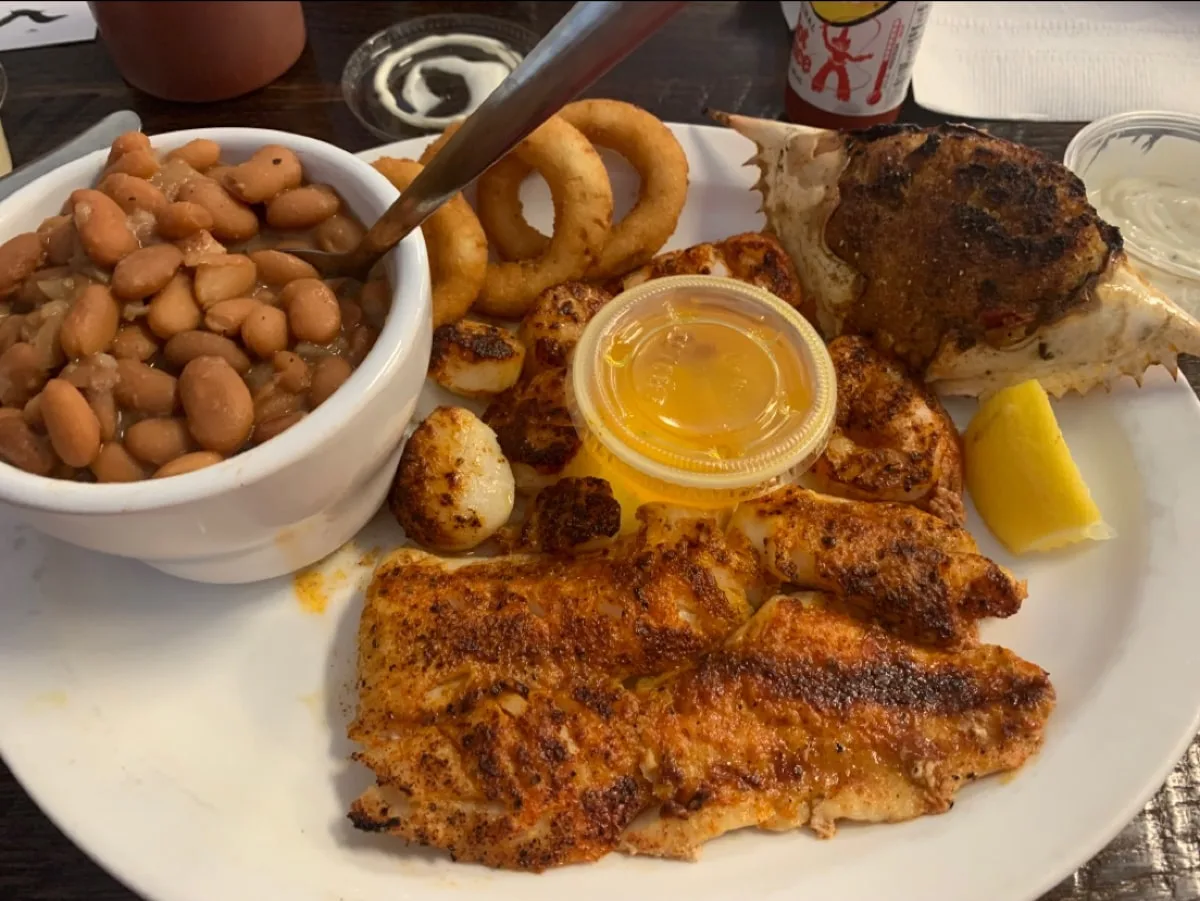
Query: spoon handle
{"points": [[591, 39], [96, 137]]}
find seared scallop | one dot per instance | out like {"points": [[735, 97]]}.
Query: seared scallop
{"points": [[475, 359], [535, 428], [573, 514], [453, 488], [552, 327]]}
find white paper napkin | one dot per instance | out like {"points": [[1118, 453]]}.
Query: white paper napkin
{"points": [[1062, 61], [42, 23]]}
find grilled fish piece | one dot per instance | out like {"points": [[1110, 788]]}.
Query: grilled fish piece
{"points": [[892, 439], [977, 261], [754, 258], [804, 716], [512, 776], [891, 563], [490, 689], [644, 604], [807, 717]]}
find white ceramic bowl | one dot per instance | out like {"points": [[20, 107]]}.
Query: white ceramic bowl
{"points": [[1163, 147], [293, 500]]}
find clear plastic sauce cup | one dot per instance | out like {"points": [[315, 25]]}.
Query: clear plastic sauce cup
{"points": [[1142, 173], [700, 391]]}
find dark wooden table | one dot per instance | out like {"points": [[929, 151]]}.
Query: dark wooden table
{"points": [[729, 56]]}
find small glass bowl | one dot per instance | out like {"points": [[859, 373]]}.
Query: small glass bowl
{"points": [[1148, 144], [786, 445], [358, 76]]}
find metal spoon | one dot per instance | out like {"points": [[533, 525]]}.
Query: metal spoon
{"points": [[591, 39], [96, 137]]}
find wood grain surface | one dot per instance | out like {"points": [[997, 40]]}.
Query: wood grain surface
{"points": [[729, 56]]}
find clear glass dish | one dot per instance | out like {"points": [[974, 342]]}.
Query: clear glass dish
{"points": [[448, 91]]}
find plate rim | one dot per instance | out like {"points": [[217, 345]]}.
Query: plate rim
{"points": [[1089, 838]]}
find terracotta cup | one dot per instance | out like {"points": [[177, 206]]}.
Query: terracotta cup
{"points": [[201, 51]]}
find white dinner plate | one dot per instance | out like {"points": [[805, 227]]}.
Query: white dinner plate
{"points": [[191, 738]]}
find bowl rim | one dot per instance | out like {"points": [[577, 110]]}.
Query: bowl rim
{"points": [[408, 269]]}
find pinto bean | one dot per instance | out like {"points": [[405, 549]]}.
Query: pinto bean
{"points": [[300, 208], [278, 268], [59, 238], [222, 277], [292, 372], [328, 374], [127, 143], [339, 234], [312, 310], [104, 405], [103, 229], [270, 171], [267, 430], [115, 464], [232, 220], [174, 308], [134, 342], [220, 412], [91, 324], [21, 447], [145, 389], [227, 316], [21, 374], [200, 154], [158, 441], [71, 423], [180, 219], [188, 463], [138, 163], [146, 271], [132, 193], [20, 257], [265, 331], [187, 346]]}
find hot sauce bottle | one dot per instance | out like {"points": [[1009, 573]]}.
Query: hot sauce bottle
{"points": [[852, 62]]}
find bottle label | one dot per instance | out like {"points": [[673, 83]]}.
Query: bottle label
{"points": [[855, 59]]}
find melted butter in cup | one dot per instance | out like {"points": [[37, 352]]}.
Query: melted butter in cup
{"points": [[702, 391]]}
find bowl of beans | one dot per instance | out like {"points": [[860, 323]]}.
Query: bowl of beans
{"points": [[175, 386]]}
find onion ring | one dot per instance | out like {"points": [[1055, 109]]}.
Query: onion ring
{"points": [[432, 150], [582, 218], [649, 146], [582, 198], [457, 246]]}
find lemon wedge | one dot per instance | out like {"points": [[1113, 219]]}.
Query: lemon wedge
{"points": [[1022, 478]]}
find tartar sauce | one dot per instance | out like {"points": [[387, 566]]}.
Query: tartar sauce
{"points": [[481, 77], [1156, 216]]}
